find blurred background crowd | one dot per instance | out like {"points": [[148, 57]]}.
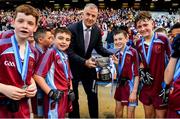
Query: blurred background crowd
{"points": [[112, 14]]}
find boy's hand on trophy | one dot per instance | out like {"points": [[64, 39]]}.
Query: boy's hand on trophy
{"points": [[115, 59]]}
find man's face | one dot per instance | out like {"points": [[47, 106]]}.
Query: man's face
{"points": [[120, 40], [24, 25], [62, 41], [145, 27], [173, 33], [90, 16], [47, 40]]}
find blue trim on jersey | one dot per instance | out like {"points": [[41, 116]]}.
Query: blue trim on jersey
{"points": [[129, 52], [44, 61], [39, 48], [8, 51], [63, 58], [11, 51], [22, 68], [50, 77], [177, 71], [147, 55], [52, 113], [158, 41], [121, 63], [5, 41], [131, 86]]}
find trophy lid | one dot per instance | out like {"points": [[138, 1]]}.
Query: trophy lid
{"points": [[102, 61]]}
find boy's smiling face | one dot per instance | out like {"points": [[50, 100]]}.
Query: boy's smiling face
{"points": [[62, 41], [120, 40], [145, 27], [24, 25]]}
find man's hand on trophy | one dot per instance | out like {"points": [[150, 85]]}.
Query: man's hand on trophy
{"points": [[90, 63]]}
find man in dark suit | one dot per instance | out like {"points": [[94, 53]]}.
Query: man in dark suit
{"points": [[86, 36]]}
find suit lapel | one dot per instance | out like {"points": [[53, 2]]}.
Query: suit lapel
{"points": [[81, 36], [92, 38]]}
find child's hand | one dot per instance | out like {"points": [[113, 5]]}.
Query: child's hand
{"points": [[133, 97], [13, 92], [136, 38], [115, 59], [31, 90]]}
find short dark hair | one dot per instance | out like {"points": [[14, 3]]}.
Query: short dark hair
{"points": [[121, 31], [40, 33], [160, 29], [62, 30], [143, 15], [175, 26]]}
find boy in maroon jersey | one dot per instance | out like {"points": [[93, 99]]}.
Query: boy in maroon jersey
{"points": [[53, 75], [172, 77], [6, 34], [175, 29], [128, 77], [152, 48], [43, 40], [17, 61]]}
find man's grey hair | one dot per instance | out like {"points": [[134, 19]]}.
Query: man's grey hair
{"points": [[91, 6]]}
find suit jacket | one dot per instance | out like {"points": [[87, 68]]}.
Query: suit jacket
{"points": [[76, 51]]}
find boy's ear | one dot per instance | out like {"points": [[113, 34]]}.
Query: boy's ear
{"points": [[40, 39], [153, 23], [12, 23], [127, 37]]}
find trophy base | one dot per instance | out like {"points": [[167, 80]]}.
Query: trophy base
{"points": [[105, 78]]}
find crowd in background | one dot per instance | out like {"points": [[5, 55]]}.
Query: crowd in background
{"points": [[64, 17], [109, 19]]}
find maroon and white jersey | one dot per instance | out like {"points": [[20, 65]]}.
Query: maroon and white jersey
{"points": [[8, 68], [131, 64], [160, 50], [50, 67], [6, 34], [174, 96], [38, 52]]}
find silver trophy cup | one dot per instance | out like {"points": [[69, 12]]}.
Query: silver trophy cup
{"points": [[104, 72]]}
